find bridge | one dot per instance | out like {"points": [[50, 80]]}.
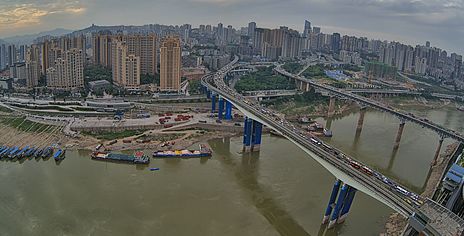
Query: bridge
{"points": [[305, 84], [383, 91], [428, 217], [284, 93]]}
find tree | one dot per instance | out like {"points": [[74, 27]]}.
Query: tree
{"points": [[97, 72]]}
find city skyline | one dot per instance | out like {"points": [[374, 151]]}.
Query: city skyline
{"points": [[410, 22]]}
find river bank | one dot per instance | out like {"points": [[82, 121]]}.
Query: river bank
{"points": [[159, 140], [396, 223], [407, 103]]}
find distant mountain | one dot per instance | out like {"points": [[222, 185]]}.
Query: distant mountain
{"points": [[29, 38]]}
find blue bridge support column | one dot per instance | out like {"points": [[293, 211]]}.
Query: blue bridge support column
{"points": [[333, 197], [256, 135], [221, 108], [338, 206], [247, 132], [228, 110], [208, 93], [346, 205], [213, 102]]}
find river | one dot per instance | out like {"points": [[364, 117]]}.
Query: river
{"points": [[278, 191]]}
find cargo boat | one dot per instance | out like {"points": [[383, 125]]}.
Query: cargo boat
{"points": [[203, 152], [137, 158], [47, 152], [327, 133], [59, 155], [38, 153]]}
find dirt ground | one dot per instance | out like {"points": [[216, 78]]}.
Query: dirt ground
{"points": [[187, 138], [32, 136]]}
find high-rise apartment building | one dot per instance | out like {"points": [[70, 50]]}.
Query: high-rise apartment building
{"points": [[125, 67], [101, 50], [67, 73], [12, 55], [251, 30], [335, 44], [142, 46], [170, 64], [307, 29], [32, 66], [276, 43], [3, 56]]}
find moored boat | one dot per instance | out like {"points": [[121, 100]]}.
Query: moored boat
{"points": [[47, 152], [203, 152], [137, 158], [59, 155]]}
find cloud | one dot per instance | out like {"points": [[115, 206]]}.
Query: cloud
{"points": [[409, 21], [17, 14], [20, 15]]}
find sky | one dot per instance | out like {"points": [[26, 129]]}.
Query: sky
{"points": [[407, 21]]}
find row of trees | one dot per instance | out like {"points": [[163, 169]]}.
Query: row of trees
{"points": [[263, 79]]}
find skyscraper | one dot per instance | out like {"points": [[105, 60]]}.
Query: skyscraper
{"points": [[142, 46], [3, 56], [251, 30], [220, 34], [335, 44], [75, 68], [12, 55], [316, 30], [126, 66], [67, 73], [22, 53], [101, 49], [170, 64], [307, 29], [32, 66]]}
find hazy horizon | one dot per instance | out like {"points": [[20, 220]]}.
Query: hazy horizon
{"points": [[408, 21]]}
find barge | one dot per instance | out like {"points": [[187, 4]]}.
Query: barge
{"points": [[59, 155], [138, 157], [203, 152]]}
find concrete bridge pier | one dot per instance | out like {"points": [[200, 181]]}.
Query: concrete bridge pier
{"points": [[331, 111], [228, 110], [359, 127], [347, 205], [333, 197], [308, 87], [398, 135], [213, 102], [256, 136], [220, 108], [437, 152], [252, 132], [247, 132], [339, 204]]}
